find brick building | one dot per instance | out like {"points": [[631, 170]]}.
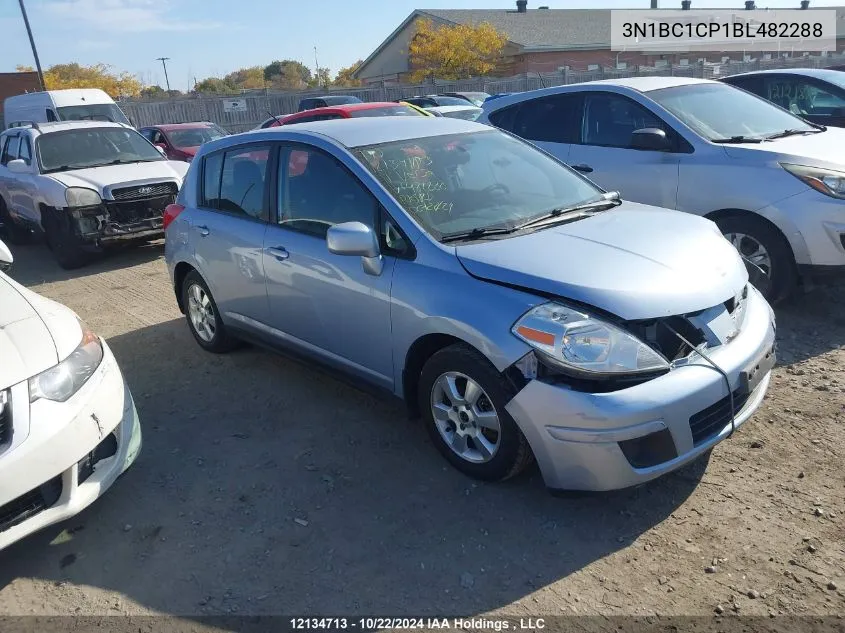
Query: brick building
{"points": [[12, 84], [548, 40]]}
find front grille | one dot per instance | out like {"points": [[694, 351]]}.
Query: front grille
{"points": [[28, 505], [145, 191], [138, 210], [708, 422], [5, 417]]}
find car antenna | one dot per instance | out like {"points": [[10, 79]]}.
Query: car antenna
{"points": [[274, 117]]}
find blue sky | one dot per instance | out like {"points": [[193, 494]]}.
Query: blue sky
{"points": [[213, 37]]}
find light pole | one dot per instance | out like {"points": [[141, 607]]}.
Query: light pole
{"points": [[317, 66], [32, 43], [164, 65]]}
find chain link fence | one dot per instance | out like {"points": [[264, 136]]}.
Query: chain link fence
{"points": [[262, 104]]}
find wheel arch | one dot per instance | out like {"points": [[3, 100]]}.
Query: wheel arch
{"points": [[721, 214], [180, 271]]}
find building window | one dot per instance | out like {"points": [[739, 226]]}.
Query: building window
{"points": [[661, 63], [592, 67], [684, 62], [767, 56], [622, 65]]}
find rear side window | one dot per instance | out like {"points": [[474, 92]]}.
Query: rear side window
{"points": [[25, 150], [504, 118], [51, 116], [551, 119], [234, 181]]}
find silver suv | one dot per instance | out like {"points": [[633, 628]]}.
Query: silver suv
{"points": [[84, 185]]}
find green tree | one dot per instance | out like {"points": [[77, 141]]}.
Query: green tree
{"points": [[153, 92], [344, 75], [246, 78], [214, 85], [287, 74]]}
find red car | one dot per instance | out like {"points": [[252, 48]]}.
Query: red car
{"points": [[180, 141], [346, 111]]}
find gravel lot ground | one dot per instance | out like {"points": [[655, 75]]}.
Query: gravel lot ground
{"points": [[269, 487]]}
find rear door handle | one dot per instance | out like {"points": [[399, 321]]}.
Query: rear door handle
{"points": [[278, 252], [584, 169], [203, 230]]}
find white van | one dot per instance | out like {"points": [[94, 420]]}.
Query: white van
{"points": [[61, 105]]}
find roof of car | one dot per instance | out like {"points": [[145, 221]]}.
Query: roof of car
{"points": [[818, 73], [455, 108], [647, 84], [60, 126], [181, 126], [364, 131], [352, 107]]}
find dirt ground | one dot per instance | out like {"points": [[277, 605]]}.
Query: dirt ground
{"points": [[268, 487]]}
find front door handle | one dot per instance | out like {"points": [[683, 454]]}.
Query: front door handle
{"points": [[203, 230], [584, 169], [278, 252]]}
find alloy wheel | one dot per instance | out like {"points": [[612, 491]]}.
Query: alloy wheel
{"points": [[201, 313], [465, 417], [752, 251]]}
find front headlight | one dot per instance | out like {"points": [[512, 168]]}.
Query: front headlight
{"points": [[62, 381], [827, 181], [579, 343], [82, 197]]}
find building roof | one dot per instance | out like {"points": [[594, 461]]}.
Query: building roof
{"points": [[539, 30]]}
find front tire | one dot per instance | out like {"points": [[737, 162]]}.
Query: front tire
{"points": [[15, 233], [762, 245], [203, 317], [463, 399], [66, 247]]}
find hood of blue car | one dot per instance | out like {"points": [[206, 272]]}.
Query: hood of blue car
{"points": [[635, 261]]}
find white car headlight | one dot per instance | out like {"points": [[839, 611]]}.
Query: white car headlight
{"points": [[577, 342], [62, 381], [82, 197], [827, 181]]}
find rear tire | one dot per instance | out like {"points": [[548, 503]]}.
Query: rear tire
{"points": [[66, 247], [465, 422], [771, 248], [203, 317], [15, 233]]}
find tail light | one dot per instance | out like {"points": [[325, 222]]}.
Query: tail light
{"points": [[171, 212]]}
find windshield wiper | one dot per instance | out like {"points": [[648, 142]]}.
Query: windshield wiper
{"points": [[475, 234], [786, 133], [737, 139], [607, 200], [120, 161]]}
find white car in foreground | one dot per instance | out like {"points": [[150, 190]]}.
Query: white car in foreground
{"points": [[68, 425]]}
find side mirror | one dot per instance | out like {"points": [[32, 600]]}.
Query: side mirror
{"points": [[18, 166], [161, 148], [6, 258], [352, 238], [650, 139]]}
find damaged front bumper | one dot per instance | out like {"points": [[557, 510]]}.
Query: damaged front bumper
{"points": [[618, 439], [112, 222]]}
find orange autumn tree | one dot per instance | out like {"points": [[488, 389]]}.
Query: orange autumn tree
{"points": [[454, 51], [116, 84]]}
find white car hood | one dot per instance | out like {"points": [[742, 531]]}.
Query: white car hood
{"points": [[35, 333], [101, 178], [821, 150]]}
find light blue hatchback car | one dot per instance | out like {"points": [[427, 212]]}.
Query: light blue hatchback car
{"points": [[520, 310]]}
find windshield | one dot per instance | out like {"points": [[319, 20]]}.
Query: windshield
{"points": [[719, 111], [444, 101], [192, 137], [93, 147], [476, 97], [468, 114], [93, 112], [460, 182], [398, 110], [340, 100]]}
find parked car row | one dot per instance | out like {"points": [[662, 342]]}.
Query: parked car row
{"points": [[772, 181], [490, 275]]}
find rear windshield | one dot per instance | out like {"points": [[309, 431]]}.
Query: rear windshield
{"points": [[93, 147], [192, 137], [341, 100], [398, 110], [92, 112], [469, 114]]}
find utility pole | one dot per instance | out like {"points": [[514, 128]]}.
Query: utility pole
{"points": [[32, 43], [164, 65], [317, 65]]}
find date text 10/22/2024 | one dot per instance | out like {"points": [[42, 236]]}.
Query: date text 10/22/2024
{"points": [[377, 623]]}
